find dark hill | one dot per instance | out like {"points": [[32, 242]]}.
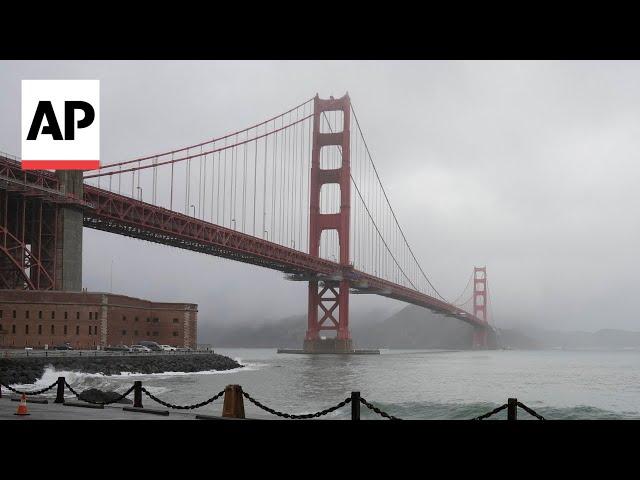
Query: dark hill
{"points": [[410, 328]]}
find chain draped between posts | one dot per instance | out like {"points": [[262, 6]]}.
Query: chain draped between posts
{"points": [[35, 392], [79, 395], [530, 411], [492, 412], [181, 407], [355, 398], [377, 410], [294, 416]]}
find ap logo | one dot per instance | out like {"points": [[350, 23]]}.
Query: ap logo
{"points": [[60, 124]]}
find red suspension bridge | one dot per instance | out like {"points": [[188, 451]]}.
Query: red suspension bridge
{"points": [[298, 193]]}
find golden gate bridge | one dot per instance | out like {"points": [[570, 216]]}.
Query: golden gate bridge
{"points": [[298, 193]]}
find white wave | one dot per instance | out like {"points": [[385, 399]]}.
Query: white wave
{"points": [[101, 380], [81, 381]]}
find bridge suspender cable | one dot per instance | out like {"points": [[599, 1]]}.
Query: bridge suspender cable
{"points": [[391, 208], [374, 223]]}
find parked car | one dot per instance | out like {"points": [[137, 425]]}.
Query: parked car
{"points": [[117, 348], [139, 348], [28, 348], [150, 345], [168, 348], [64, 346]]}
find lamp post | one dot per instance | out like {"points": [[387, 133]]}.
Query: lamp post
{"points": [[194, 210], [140, 196], [267, 235]]}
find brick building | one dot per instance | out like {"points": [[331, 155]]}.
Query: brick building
{"points": [[90, 319]]}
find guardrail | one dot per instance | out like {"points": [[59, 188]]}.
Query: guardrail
{"points": [[233, 406], [91, 353]]}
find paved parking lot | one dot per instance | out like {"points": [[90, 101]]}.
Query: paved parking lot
{"points": [[56, 411]]}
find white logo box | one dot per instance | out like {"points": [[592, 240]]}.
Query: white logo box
{"points": [[46, 153]]}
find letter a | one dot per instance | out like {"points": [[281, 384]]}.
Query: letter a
{"points": [[45, 109]]}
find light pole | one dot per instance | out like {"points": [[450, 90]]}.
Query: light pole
{"points": [[194, 210], [234, 223], [111, 278], [267, 234], [140, 196]]}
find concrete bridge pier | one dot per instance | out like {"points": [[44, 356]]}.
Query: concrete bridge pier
{"points": [[68, 274]]}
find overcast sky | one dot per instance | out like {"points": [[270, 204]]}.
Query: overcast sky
{"points": [[530, 168]]}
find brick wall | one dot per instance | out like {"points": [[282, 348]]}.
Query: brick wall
{"points": [[87, 319]]}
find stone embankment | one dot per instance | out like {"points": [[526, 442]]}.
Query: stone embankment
{"points": [[30, 369]]}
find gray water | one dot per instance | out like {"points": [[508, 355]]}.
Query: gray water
{"points": [[410, 384]]}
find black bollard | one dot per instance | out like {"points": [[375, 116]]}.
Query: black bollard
{"points": [[137, 394], [512, 409], [60, 391], [355, 405]]}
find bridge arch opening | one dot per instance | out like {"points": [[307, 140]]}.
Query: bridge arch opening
{"points": [[330, 245], [330, 198], [330, 157], [332, 121]]}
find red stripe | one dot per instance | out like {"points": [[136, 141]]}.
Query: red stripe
{"points": [[60, 164]]}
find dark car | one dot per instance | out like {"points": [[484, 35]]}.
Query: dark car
{"points": [[117, 348], [153, 346], [64, 346]]}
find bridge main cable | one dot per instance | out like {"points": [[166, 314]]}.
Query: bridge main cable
{"points": [[196, 155]]}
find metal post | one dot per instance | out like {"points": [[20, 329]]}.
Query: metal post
{"points": [[355, 405], [137, 394], [60, 391], [512, 409]]}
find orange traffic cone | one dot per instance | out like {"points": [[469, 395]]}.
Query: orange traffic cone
{"points": [[22, 407]]}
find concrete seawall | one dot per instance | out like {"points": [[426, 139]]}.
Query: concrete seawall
{"points": [[30, 369]]}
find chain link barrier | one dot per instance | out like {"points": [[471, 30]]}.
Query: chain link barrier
{"points": [[79, 395], [182, 407], [492, 412], [35, 392], [293, 416], [377, 410], [530, 411], [260, 405]]}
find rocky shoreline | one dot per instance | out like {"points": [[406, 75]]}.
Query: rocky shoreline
{"points": [[31, 369]]}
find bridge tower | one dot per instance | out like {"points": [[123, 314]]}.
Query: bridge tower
{"points": [[41, 233], [480, 305], [331, 297]]}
